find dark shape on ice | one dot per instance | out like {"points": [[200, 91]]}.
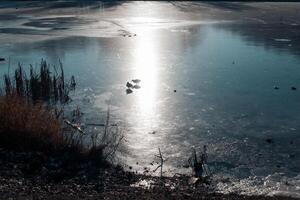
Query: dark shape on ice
{"points": [[136, 80], [292, 156], [128, 91], [276, 87], [293, 88], [2, 59], [269, 140], [136, 87], [129, 85]]}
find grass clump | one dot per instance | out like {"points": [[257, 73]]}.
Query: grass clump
{"points": [[26, 126], [30, 120], [42, 85], [28, 117]]}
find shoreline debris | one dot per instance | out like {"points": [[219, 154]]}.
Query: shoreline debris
{"points": [[74, 126], [199, 164]]}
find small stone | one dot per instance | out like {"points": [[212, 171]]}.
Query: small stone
{"points": [[292, 156], [175, 90], [276, 87], [269, 140], [293, 88]]}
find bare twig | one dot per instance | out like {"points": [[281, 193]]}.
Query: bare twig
{"points": [[73, 126], [161, 162]]}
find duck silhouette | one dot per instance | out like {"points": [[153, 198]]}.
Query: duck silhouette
{"points": [[129, 85], [136, 80], [136, 87], [128, 91]]}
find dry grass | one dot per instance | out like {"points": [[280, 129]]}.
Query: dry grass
{"points": [[41, 85], [26, 126], [30, 121]]}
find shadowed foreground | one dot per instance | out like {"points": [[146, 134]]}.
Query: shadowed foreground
{"points": [[29, 175]]}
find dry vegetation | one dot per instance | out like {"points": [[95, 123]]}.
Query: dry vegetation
{"points": [[45, 85], [26, 126], [30, 120]]}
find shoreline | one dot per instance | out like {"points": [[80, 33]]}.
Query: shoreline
{"points": [[31, 175]]}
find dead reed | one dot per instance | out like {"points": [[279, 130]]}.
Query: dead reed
{"points": [[30, 119], [41, 85]]}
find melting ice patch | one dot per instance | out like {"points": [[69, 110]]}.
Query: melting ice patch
{"points": [[102, 101], [282, 40]]}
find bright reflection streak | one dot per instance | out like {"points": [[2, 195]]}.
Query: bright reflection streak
{"points": [[146, 68]]}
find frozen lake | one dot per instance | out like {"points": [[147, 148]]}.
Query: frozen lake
{"points": [[208, 75]]}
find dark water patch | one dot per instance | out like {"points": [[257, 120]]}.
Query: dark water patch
{"points": [[92, 4], [25, 31], [7, 17], [233, 6], [59, 4], [229, 6], [284, 37], [57, 22], [20, 4]]}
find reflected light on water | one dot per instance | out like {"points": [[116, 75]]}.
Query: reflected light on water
{"points": [[146, 66]]}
